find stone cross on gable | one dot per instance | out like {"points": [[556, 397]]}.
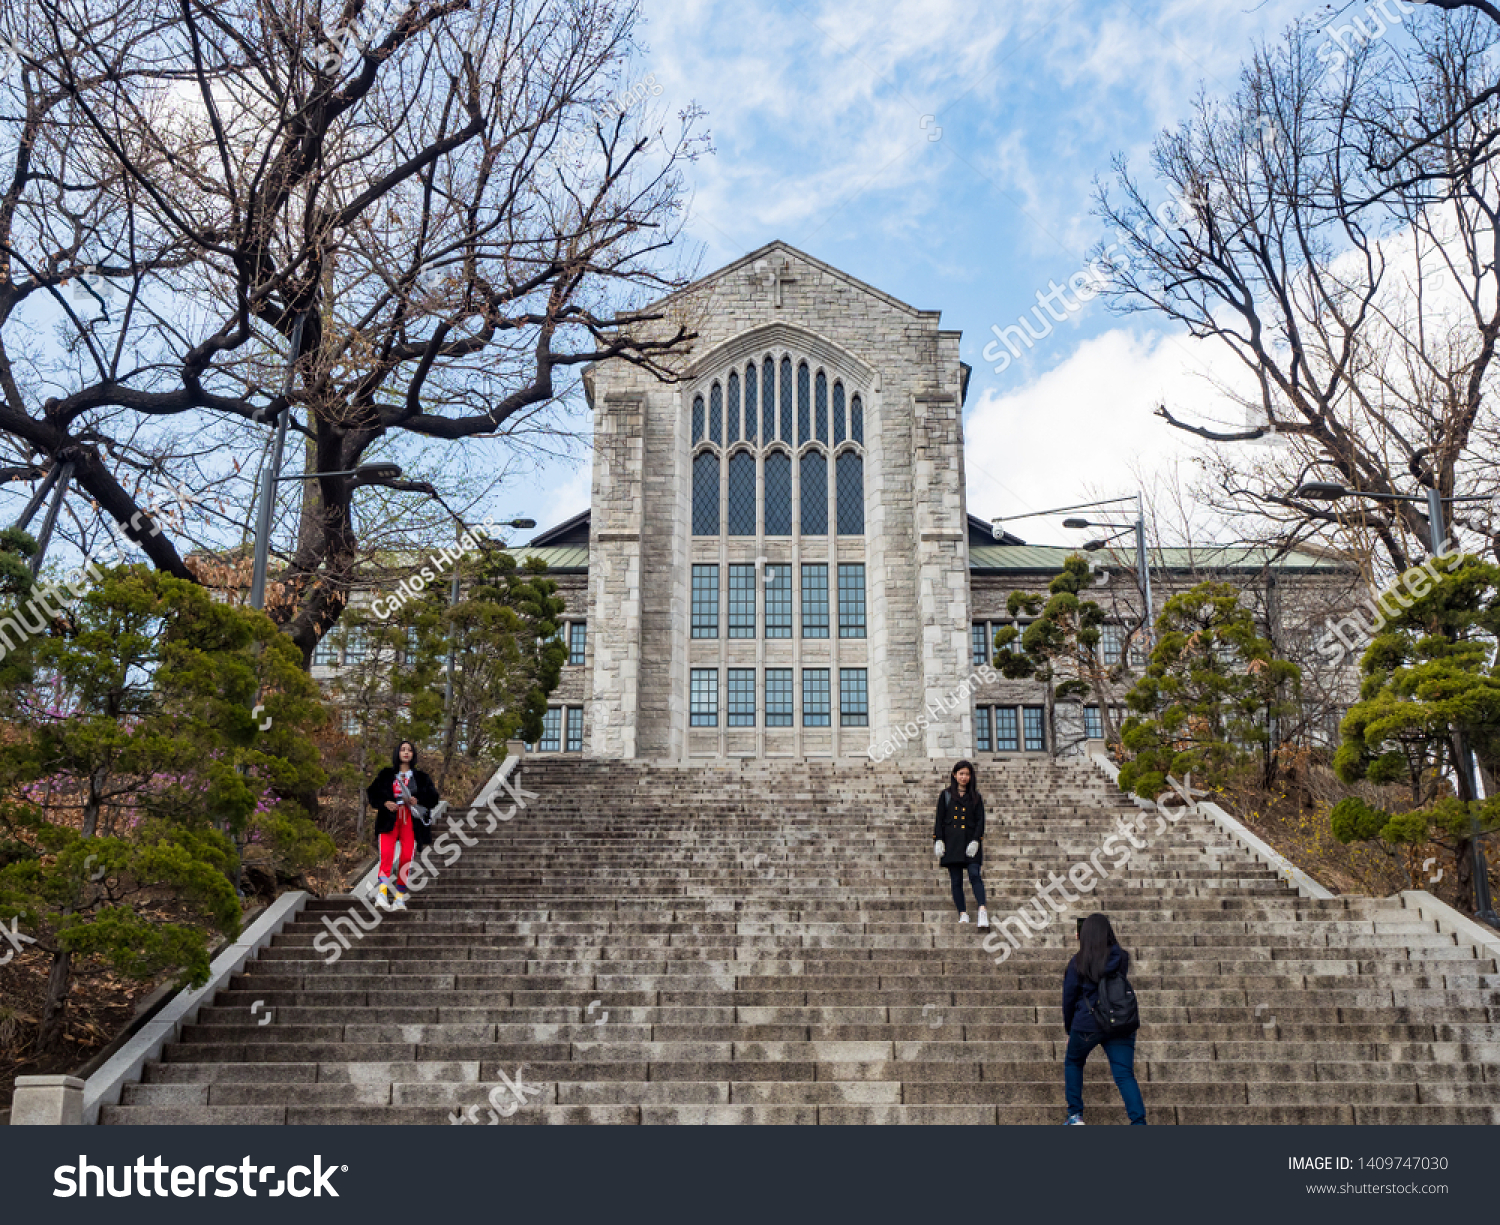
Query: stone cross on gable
{"points": [[773, 277]]}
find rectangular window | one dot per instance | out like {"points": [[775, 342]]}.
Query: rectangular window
{"points": [[854, 696], [852, 602], [704, 697], [354, 646], [980, 639], [1006, 740], [575, 729], [778, 601], [326, 652], [705, 601], [1138, 649], [551, 741], [1110, 643], [815, 697], [814, 600], [577, 642], [1036, 739], [778, 697], [741, 602], [741, 709], [411, 643], [1093, 725], [982, 729]]}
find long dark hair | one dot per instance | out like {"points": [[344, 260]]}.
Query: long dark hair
{"points": [[396, 756], [1095, 938], [973, 790]]}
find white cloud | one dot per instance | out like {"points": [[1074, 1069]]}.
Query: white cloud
{"points": [[1079, 427]]}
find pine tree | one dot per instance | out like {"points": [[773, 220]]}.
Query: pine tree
{"points": [[1209, 696], [1062, 646], [507, 659], [136, 767], [1430, 688]]}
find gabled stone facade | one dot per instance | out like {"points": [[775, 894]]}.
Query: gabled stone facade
{"points": [[883, 390], [854, 341]]}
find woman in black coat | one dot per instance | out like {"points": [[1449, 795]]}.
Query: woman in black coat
{"points": [[1099, 955], [403, 798], [958, 837]]}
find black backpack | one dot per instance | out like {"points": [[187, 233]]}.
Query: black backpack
{"points": [[1114, 1007]]}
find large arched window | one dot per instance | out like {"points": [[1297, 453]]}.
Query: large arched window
{"points": [[850, 494], [706, 494], [778, 494], [774, 405], [741, 502], [814, 477]]}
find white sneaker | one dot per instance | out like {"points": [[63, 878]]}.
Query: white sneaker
{"points": [[964, 918], [984, 917], [383, 894], [398, 900]]}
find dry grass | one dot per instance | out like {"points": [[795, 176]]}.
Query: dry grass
{"points": [[1294, 818]]}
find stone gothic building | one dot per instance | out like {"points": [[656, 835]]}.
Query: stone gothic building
{"points": [[779, 560]]}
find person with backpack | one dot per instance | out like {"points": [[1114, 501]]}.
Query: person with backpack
{"points": [[958, 837], [403, 798], [1099, 1009]]}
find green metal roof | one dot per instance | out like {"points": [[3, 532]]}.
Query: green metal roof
{"points": [[557, 557], [1048, 559], [1044, 559]]}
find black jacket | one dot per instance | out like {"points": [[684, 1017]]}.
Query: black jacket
{"points": [[384, 788], [1079, 994], [958, 823]]}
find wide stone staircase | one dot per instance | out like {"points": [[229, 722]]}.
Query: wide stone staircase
{"points": [[772, 943]]}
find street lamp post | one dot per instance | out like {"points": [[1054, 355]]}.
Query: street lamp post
{"points": [[1464, 764], [1142, 566], [59, 476], [367, 474], [268, 476]]}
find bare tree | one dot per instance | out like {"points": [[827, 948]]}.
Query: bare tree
{"points": [[1364, 310], [417, 204]]}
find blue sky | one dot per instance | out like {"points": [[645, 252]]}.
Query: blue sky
{"points": [[947, 155]]}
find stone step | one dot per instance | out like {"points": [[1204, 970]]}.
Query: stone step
{"points": [[750, 978]]}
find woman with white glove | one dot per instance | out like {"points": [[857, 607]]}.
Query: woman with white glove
{"points": [[958, 835]]}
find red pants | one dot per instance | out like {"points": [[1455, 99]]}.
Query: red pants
{"points": [[403, 838]]}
